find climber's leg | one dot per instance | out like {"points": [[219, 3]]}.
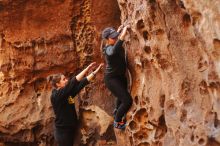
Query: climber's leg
{"points": [[117, 87]]}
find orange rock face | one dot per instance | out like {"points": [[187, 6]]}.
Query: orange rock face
{"points": [[31, 20], [39, 38], [173, 57]]}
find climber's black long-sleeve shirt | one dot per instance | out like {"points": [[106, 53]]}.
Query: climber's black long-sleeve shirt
{"points": [[63, 102], [115, 59]]}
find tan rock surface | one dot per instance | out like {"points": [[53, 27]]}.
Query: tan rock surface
{"points": [[173, 52], [173, 49]]}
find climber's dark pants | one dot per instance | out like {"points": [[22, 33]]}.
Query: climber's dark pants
{"points": [[65, 136], [118, 87]]}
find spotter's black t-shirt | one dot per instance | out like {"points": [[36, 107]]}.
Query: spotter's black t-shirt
{"points": [[63, 103]]}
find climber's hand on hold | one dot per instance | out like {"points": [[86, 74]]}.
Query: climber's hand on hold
{"points": [[120, 28], [127, 27], [122, 36]]}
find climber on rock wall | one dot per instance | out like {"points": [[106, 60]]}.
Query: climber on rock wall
{"points": [[115, 72], [62, 99]]}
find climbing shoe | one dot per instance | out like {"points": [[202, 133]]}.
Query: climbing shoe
{"points": [[123, 118], [119, 125]]}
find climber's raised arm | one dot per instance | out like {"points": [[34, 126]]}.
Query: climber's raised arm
{"points": [[123, 33]]}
